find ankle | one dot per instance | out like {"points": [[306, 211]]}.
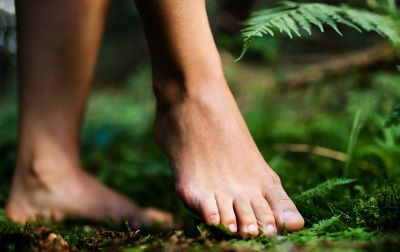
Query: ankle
{"points": [[171, 92], [46, 168], [208, 101]]}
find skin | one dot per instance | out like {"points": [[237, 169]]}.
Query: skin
{"points": [[57, 55], [219, 172]]}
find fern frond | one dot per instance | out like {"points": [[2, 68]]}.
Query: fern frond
{"points": [[293, 18], [326, 16], [327, 223], [302, 21], [322, 190]]}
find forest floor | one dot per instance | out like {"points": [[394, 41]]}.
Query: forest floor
{"points": [[327, 141]]}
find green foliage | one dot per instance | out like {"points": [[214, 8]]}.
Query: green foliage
{"points": [[355, 131], [322, 189], [296, 18], [314, 203], [394, 118], [327, 224], [388, 203], [340, 213]]}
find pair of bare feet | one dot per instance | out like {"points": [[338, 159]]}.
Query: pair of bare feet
{"points": [[219, 174]]}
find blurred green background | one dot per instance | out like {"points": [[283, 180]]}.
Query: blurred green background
{"points": [[295, 95]]}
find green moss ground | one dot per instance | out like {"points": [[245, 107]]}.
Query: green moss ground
{"points": [[348, 206]]}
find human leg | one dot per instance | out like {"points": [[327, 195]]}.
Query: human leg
{"points": [[57, 48]]}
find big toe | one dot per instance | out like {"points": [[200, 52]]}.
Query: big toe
{"points": [[291, 220], [287, 216]]}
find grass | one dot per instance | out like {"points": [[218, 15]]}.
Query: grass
{"points": [[355, 131], [348, 206]]}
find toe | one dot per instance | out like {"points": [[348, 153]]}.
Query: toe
{"points": [[226, 212], [245, 216], [286, 214], [264, 215], [209, 210]]}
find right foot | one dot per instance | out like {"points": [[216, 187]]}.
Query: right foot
{"points": [[219, 172], [51, 191]]}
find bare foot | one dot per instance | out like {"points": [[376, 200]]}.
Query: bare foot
{"points": [[51, 191], [218, 169]]}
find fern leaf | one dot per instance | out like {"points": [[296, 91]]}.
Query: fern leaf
{"points": [[327, 223], [322, 190], [268, 30], [292, 18], [292, 24], [337, 16], [282, 26], [303, 23], [325, 16], [311, 18]]}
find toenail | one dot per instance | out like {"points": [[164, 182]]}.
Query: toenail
{"points": [[252, 228], [232, 228], [269, 229], [288, 215]]}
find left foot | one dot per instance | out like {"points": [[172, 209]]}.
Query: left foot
{"points": [[51, 191]]}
